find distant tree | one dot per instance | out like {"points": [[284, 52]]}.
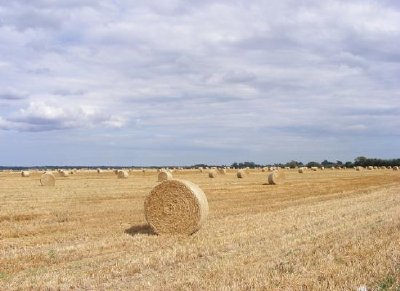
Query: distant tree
{"points": [[313, 164], [327, 164], [293, 164], [348, 164]]}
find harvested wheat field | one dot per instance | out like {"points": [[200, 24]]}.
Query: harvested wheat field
{"points": [[324, 230]]}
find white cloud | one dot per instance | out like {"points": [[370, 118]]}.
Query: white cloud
{"points": [[40, 116]]}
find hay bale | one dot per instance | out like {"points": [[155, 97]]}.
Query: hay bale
{"points": [[99, 171], [176, 207], [395, 168], [212, 173], [314, 169], [301, 170], [240, 174], [47, 179], [222, 171], [25, 174], [276, 177], [122, 174], [63, 173], [164, 175]]}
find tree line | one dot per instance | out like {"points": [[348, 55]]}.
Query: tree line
{"points": [[359, 161]]}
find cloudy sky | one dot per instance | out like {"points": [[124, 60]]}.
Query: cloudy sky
{"points": [[112, 82]]}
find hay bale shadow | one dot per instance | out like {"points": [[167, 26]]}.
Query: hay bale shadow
{"points": [[140, 229]]}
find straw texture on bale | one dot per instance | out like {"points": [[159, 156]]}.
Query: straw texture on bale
{"points": [[240, 174], [276, 177], [48, 179], [25, 173], [123, 174], [164, 175], [176, 207]]}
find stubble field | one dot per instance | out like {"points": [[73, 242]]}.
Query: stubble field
{"points": [[324, 230]]}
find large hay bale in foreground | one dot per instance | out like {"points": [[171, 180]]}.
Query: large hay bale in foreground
{"points": [[47, 179], [276, 177], [164, 175], [176, 207], [240, 174], [123, 174], [25, 174]]}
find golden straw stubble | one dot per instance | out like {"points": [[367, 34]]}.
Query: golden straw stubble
{"points": [[47, 179], [276, 177], [176, 207]]}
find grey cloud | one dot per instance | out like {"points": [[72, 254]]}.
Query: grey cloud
{"points": [[291, 71]]}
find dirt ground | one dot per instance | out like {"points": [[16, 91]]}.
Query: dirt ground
{"points": [[323, 230]]}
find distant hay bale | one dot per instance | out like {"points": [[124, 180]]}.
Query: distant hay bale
{"points": [[212, 173], [164, 175], [47, 179], [395, 168], [63, 173], [240, 174], [176, 207], [222, 171], [116, 171], [264, 169], [301, 170], [122, 174], [314, 169], [276, 177], [322, 168], [99, 171], [370, 168], [25, 174]]}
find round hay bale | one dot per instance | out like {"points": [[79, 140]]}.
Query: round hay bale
{"points": [[25, 174], [63, 173], [122, 174], [240, 174], [99, 171], [47, 179], [301, 170], [276, 177], [395, 168], [164, 175], [176, 207], [222, 171], [212, 173]]}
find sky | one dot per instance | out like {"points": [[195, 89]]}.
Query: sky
{"points": [[112, 82]]}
